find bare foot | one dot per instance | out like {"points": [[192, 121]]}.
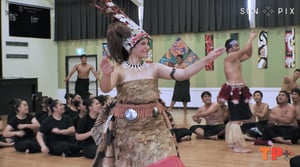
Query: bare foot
{"points": [[289, 142], [186, 138], [270, 143], [241, 150], [215, 137], [249, 138], [9, 140], [4, 144]]}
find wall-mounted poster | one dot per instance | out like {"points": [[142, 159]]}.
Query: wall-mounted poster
{"points": [[262, 62], [179, 47], [209, 46], [290, 48]]}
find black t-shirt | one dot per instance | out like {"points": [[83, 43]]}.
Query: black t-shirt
{"points": [[85, 124], [41, 115], [15, 121], [73, 114], [49, 123]]}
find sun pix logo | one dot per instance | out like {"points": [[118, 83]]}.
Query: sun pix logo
{"points": [[276, 152], [268, 11]]}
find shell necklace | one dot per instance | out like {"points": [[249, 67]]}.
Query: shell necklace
{"points": [[140, 66]]}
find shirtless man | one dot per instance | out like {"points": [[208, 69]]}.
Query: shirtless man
{"points": [[83, 71], [260, 109], [291, 82], [260, 112], [283, 124], [235, 92], [213, 115], [296, 102]]}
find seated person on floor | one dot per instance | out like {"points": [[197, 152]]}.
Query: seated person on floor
{"points": [[43, 109], [295, 94], [248, 126], [282, 123], [181, 134], [261, 111], [22, 127], [85, 125], [213, 115], [56, 134], [72, 110]]}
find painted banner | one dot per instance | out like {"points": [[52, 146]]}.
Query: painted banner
{"points": [[290, 48], [179, 47], [209, 46], [262, 62]]}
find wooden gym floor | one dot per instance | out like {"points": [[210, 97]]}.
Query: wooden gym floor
{"points": [[194, 153]]}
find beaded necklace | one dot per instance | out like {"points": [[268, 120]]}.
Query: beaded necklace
{"points": [[140, 66]]}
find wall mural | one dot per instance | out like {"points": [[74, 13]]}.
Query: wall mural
{"points": [[179, 47]]}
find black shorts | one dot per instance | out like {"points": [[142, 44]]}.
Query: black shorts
{"points": [[82, 87], [209, 130], [240, 111]]}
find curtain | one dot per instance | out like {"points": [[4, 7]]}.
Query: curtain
{"points": [[184, 16], [274, 13], [79, 19]]}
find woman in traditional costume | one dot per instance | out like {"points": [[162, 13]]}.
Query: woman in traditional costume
{"points": [[140, 128]]}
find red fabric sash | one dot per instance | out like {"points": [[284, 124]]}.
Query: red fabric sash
{"points": [[172, 161]]}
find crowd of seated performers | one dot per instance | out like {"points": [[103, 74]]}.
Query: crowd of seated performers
{"points": [[279, 124], [56, 128], [66, 129]]}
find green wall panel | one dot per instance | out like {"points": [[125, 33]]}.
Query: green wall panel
{"points": [[254, 77]]}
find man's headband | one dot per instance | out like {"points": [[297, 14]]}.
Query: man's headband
{"points": [[137, 34], [231, 44]]}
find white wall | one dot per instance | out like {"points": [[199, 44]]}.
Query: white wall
{"points": [[42, 59]]}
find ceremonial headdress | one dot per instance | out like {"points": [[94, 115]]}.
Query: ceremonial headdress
{"points": [[137, 34]]}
